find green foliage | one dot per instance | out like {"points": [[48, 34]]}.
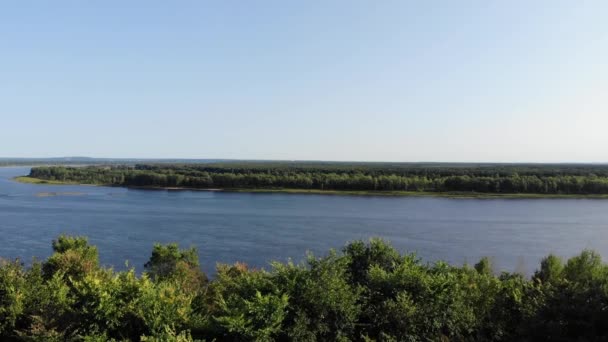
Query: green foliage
{"points": [[551, 269], [369, 292], [252, 319], [323, 304], [169, 335], [585, 268], [169, 262], [12, 294], [484, 266], [73, 257], [163, 304], [362, 257], [491, 178]]}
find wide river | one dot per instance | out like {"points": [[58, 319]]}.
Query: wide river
{"points": [[256, 228]]}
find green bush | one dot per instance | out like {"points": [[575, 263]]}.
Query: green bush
{"points": [[369, 292]]}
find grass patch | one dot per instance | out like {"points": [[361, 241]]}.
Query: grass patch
{"points": [[32, 180]]}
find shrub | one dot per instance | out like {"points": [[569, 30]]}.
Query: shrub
{"points": [[369, 292]]}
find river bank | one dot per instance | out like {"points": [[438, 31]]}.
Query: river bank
{"points": [[463, 195]]}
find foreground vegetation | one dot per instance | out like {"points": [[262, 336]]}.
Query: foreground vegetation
{"points": [[396, 179], [368, 292]]}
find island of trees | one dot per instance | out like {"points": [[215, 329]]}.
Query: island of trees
{"points": [[364, 177], [366, 292]]}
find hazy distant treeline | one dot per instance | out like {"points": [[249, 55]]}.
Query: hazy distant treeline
{"points": [[94, 161], [539, 179]]}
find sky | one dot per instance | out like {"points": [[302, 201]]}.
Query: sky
{"points": [[487, 81]]}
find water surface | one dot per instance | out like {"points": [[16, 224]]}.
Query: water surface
{"points": [[255, 228]]}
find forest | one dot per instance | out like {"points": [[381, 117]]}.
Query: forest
{"points": [[573, 179], [368, 291]]}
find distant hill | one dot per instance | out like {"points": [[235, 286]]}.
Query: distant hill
{"points": [[96, 161]]}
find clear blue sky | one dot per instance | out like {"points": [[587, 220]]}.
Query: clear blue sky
{"points": [[501, 81]]}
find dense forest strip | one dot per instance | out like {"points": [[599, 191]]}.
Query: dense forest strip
{"points": [[366, 292], [377, 177]]}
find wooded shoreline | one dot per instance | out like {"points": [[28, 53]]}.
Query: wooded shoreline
{"points": [[457, 195], [371, 179]]}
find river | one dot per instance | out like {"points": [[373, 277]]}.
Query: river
{"points": [[255, 228]]}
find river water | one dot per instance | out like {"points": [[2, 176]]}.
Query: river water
{"points": [[256, 228]]}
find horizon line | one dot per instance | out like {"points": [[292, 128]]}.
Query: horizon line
{"points": [[67, 158]]}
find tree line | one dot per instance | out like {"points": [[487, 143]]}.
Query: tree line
{"points": [[495, 179], [366, 292]]}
